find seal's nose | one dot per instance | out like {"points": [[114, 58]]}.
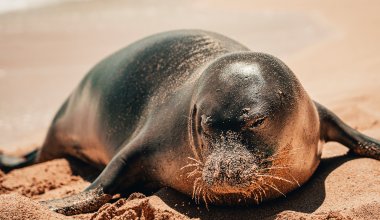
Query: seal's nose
{"points": [[228, 169]]}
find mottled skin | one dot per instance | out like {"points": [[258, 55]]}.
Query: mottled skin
{"points": [[198, 112]]}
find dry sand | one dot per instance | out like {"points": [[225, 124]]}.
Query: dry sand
{"points": [[332, 46], [344, 187]]}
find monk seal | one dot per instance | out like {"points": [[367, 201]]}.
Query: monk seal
{"points": [[198, 112]]}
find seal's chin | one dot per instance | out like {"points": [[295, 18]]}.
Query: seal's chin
{"points": [[225, 188]]}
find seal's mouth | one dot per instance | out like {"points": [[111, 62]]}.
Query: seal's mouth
{"points": [[231, 168]]}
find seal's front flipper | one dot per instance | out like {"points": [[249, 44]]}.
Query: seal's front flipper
{"points": [[84, 202], [121, 173], [8, 163], [334, 129]]}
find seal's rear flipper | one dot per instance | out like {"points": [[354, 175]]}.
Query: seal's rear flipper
{"points": [[334, 129], [8, 163]]}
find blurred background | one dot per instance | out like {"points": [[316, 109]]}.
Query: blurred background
{"points": [[47, 46]]}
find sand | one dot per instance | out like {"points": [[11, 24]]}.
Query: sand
{"points": [[332, 46], [344, 187], [20, 191]]}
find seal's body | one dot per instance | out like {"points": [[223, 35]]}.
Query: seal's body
{"points": [[198, 112]]}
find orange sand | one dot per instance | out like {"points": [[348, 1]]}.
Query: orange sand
{"points": [[343, 187]]}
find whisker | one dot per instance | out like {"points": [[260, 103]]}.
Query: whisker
{"points": [[274, 168], [261, 191], [287, 170], [198, 188], [275, 188], [215, 196], [255, 197], [195, 186], [204, 199], [276, 177], [192, 173], [209, 197], [261, 188], [293, 178], [190, 165], [260, 197], [199, 193], [195, 160]]}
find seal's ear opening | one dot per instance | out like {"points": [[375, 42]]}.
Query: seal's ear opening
{"points": [[334, 129]]}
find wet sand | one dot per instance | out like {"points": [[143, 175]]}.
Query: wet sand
{"points": [[331, 46]]}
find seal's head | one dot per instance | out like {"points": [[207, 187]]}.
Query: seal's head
{"points": [[251, 130]]}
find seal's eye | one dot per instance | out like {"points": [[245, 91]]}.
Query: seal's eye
{"points": [[257, 123]]}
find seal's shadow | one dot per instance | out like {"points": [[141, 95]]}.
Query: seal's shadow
{"points": [[306, 199]]}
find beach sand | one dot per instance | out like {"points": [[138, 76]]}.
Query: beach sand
{"points": [[332, 47]]}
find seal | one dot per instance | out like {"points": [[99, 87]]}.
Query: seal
{"points": [[198, 112]]}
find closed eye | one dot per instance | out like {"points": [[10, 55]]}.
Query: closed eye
{"points": [[257, 123]]}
